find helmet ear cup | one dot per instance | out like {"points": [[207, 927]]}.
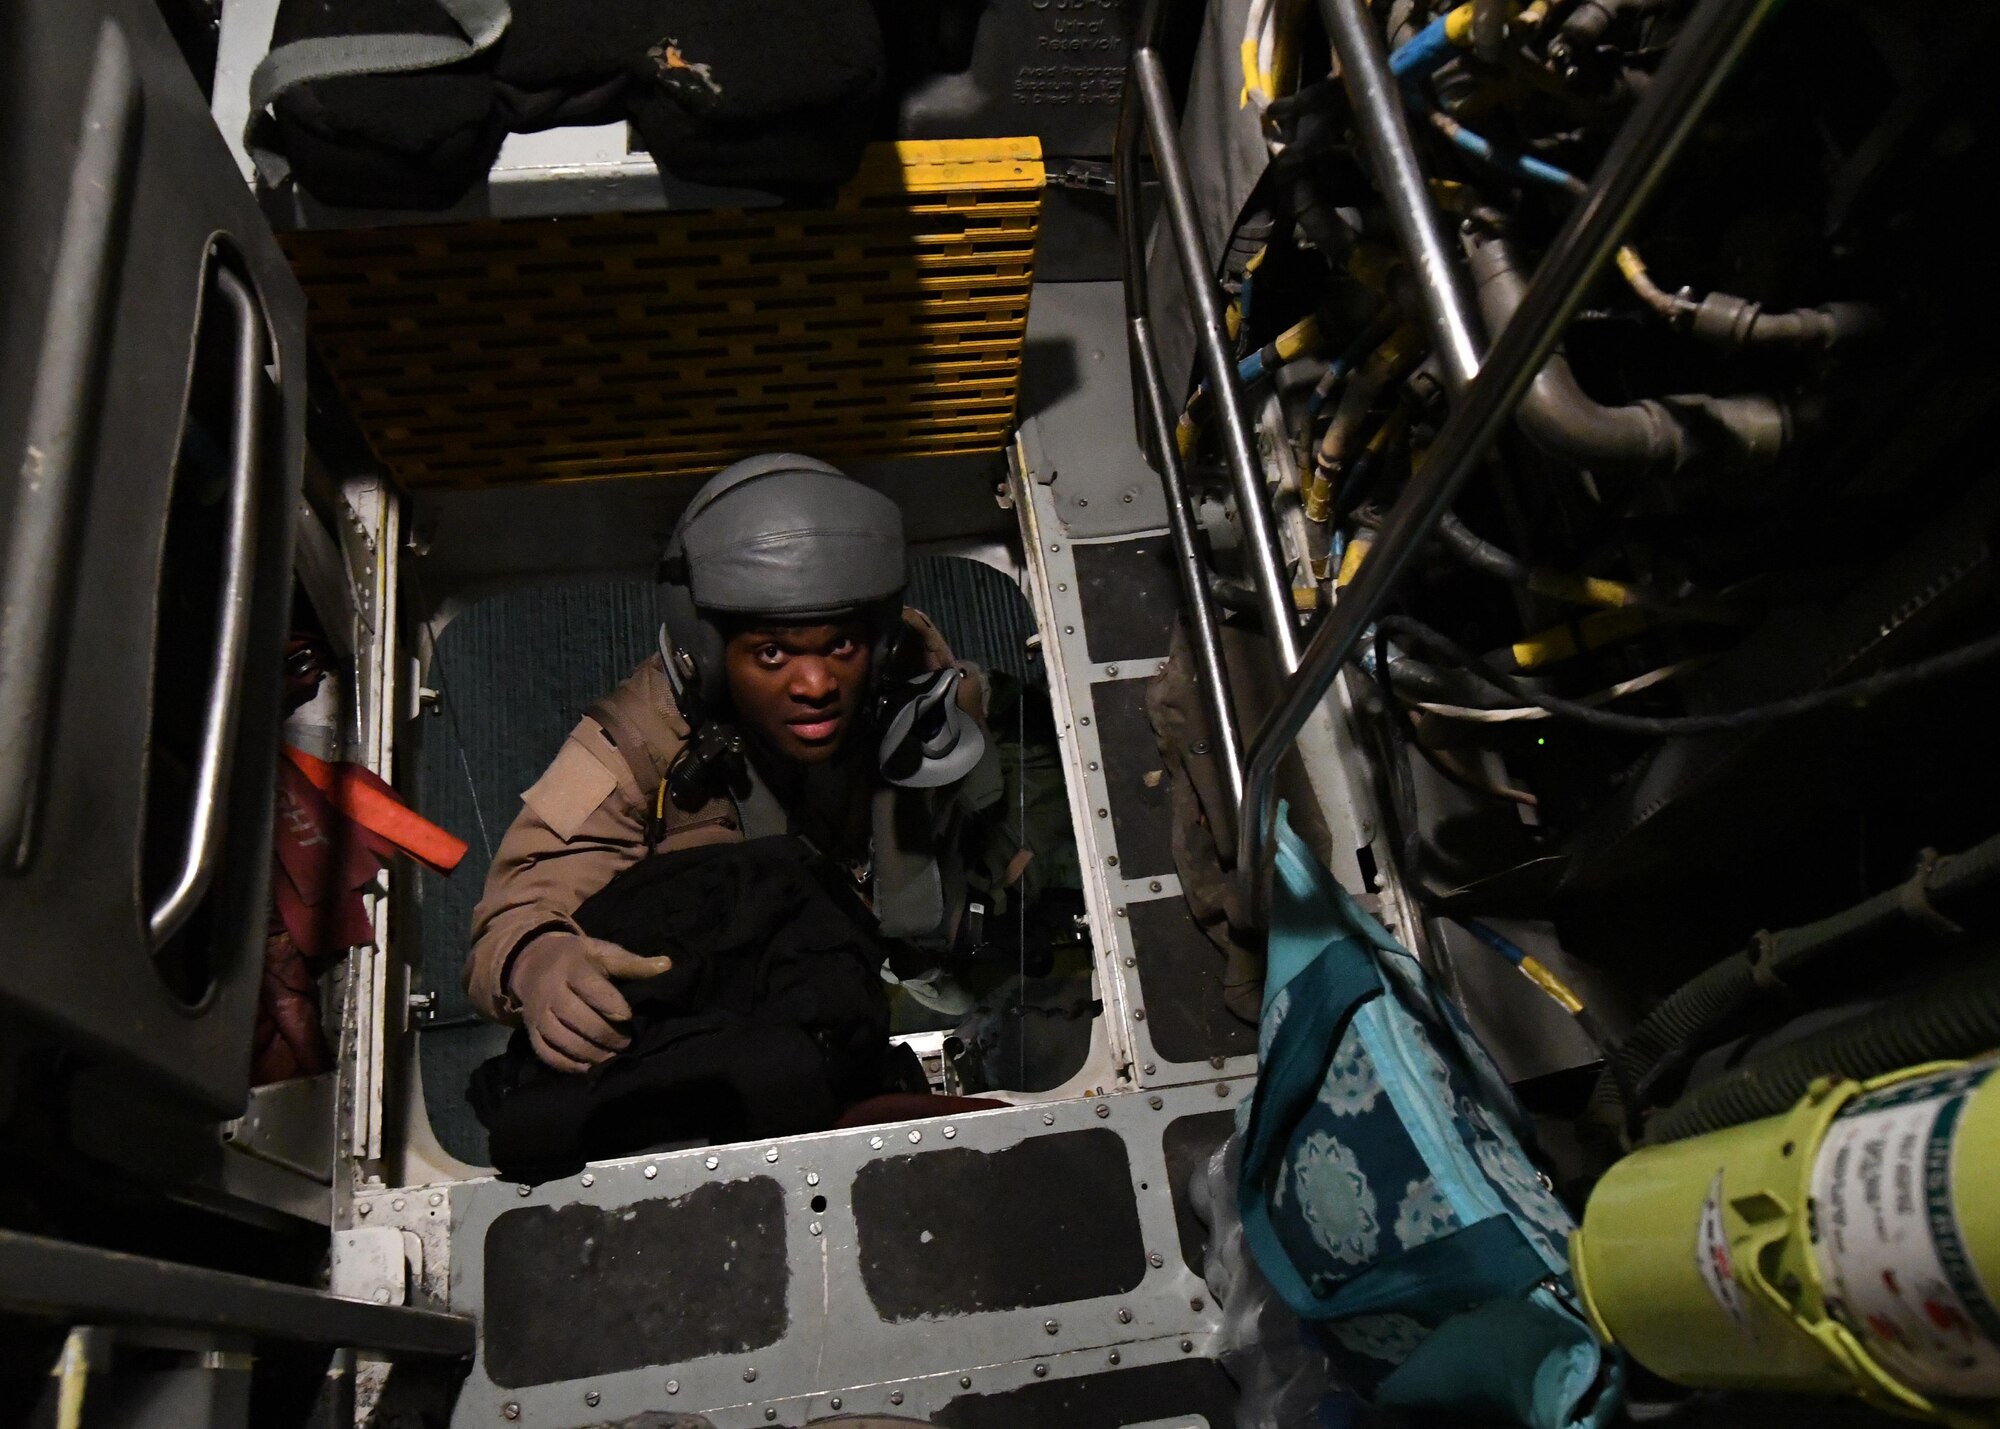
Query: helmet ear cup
{"points": [[693, 649]]}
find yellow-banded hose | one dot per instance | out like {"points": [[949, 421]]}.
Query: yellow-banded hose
{"points": [[1560, 642]]}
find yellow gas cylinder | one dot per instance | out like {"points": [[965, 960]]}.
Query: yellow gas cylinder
{"points": [[1851, 1245]]}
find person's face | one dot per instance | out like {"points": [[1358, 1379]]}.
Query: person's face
{"points": [[798, 687]]}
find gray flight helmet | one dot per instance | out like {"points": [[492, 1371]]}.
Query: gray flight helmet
{"points": [[782, 536]]}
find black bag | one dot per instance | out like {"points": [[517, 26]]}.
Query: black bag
{"points": [[772, 1022], [405, 103]]}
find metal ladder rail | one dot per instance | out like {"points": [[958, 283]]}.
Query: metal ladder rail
{"points": [[1147, 115], [1693, 74]]}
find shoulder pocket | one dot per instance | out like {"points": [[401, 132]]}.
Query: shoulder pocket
{"points": [[573, 788]]}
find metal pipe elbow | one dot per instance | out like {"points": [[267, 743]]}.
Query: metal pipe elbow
{"points": [[1655, 435]]}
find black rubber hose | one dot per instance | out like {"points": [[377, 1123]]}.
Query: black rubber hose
{"points": [[1415, 634], [1489, 30], [1957, 1016], [1721, 435], [1702, 1011]]}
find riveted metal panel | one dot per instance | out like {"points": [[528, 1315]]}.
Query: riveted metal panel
{"points": [[647, 343]]}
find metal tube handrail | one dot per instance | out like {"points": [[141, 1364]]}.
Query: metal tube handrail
{"points": [[1670, 107], [1183, 229], [1156, 439], [1384, 127]]}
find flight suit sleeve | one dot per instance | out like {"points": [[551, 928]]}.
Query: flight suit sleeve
{"points": [[581, 825]]}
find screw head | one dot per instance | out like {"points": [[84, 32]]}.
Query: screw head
{"points": [[437, 1198], [1216, 1062], [1124, 1316], [1187, 1347], [965, 1381], [1155, 885], [1138, 1014], [875, 1143], [1048, 1119], [1110, 669], [1148, 1068], [592, 1398], [1103, 813], [749, 1374], [815, 1228], [950, 1132], [1131, 962], [812, 1178], [398, 1204], [1103, 1111], [1155, 1102], [1093, 766], [588, 1179], [915, 1137], [772, 1154], [518, 1190], [1222, 1089], [1200, 746], [1197, 1304], [1050, 1326], [1055, 545], [650, 1172], [510, 1411], [364, 1208], [833, 1403], [712, 1162], [1156, 1260], [1041, 1371], [770, 1414], [1084, 720], [895, 1396], [673, 1386]]}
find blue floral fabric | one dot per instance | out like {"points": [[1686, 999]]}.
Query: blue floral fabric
{"points": [[1400, 1137]]}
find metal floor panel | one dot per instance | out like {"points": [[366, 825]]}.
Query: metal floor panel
{"points": [[837, 1352]]}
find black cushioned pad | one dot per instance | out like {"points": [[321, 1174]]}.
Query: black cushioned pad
{"points": [[938, 1234], [580, 1290], [1180, 978], [1141, 808], [1131, 598], [1171, 1390]]}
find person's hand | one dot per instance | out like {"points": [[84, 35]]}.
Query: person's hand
{"points": [[569, 1004]]}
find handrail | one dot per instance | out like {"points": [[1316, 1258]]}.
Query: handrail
{"points": [[1373, 94], [1148, 78], [1156, 439], [1668, 110]]}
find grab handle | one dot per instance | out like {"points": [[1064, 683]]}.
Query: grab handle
{"points": [[239, 556]]}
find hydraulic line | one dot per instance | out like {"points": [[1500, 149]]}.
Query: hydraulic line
{"points": [[1954, 1017], [1730, 322], [1484, 556], [1389, 364], [1668, 434], [1566, 641], [1867, 688], [1700, 1012]]}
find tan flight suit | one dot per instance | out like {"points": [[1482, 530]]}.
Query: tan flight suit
{"points": [[584, 821]]}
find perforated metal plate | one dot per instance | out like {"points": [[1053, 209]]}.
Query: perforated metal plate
{"points": [[646, 344]]}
